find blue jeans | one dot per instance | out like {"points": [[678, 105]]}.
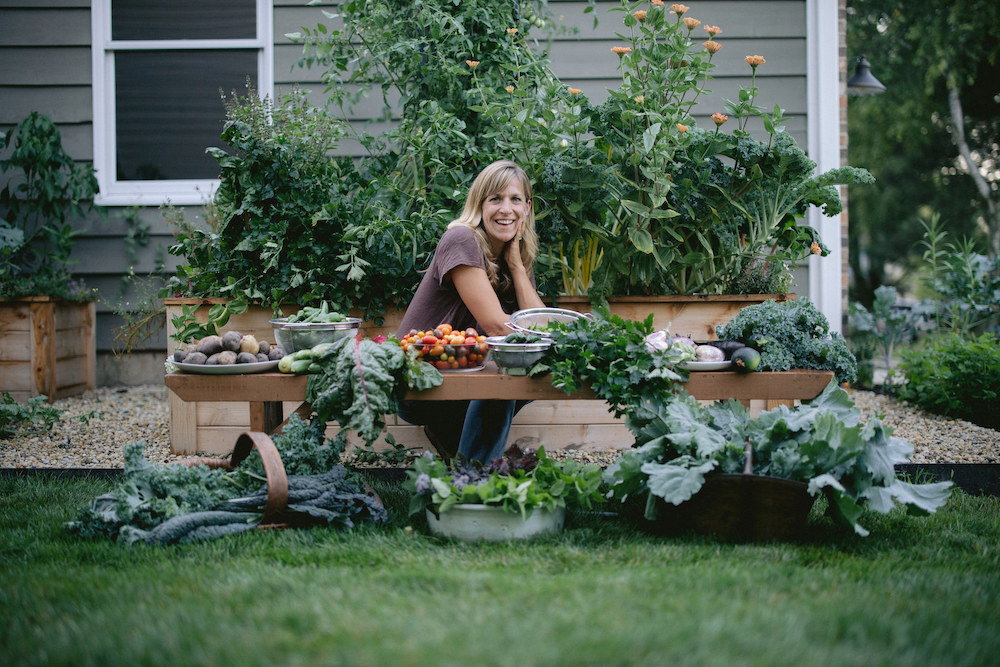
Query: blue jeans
{"points": [[477, 430]]}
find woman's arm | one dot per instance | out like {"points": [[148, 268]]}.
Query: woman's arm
{"points": [[474, 287]]}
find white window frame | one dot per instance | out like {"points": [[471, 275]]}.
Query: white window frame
{"points": [[156, 193]]}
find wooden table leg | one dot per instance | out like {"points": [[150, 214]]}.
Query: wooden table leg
{"points": [[266, 416]]}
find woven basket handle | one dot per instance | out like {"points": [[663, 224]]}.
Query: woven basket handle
{"points": [[277, 480]]}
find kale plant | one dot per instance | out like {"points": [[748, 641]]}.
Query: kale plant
{"points": [[791, 334]]}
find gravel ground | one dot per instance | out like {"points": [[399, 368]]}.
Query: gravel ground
{"points": [[95, 427]]}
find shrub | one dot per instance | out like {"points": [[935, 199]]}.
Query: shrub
{"points": [[955, 376]]}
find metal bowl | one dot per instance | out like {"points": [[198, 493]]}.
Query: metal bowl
{"points": [[295, 336], [516, 358], [534, 320]]}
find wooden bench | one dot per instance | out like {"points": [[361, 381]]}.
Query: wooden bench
{"points": [[268, 394]]}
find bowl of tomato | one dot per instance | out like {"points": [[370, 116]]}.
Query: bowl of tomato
{"points": [[447, 349]]}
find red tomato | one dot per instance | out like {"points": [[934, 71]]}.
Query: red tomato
{"points": [[442, 365], [430, 340], [470, 340]]}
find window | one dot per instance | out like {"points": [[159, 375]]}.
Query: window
{"points": [[159, 67]]}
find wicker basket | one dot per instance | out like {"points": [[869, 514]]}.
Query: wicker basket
{"points": [[741, 508]]}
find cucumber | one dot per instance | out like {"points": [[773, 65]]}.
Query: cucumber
{"points": [[285, 364], [301, 366]]}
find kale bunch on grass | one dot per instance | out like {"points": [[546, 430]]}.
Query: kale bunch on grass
{"points": [[791, 334]]}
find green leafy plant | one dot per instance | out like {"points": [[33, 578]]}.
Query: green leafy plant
{"points": [[886, 325], [519, 482], [822, 443], [18, 419], [955, 375], [791, 334], [43, 189]]}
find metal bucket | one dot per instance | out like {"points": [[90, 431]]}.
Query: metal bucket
{"points": [[534, 320]]}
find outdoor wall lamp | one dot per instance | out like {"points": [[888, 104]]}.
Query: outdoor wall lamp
{"points": [[863, 83]]}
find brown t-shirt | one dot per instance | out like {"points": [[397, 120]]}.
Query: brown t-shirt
{"points": [[436, 300]]}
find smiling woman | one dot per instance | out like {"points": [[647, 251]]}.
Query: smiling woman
{"points": [[480, 273]]}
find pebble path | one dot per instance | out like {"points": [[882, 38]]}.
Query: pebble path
{"points": [[95, 427]]}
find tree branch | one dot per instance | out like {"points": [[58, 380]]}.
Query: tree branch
{"points": [[958, 124]]}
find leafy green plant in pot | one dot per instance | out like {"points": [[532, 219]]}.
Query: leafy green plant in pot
{"points": [[686, 210], [520, 483], [823, 446], [43, 189]]}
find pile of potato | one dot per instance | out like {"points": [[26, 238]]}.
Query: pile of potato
{"points": [[231, 347]]}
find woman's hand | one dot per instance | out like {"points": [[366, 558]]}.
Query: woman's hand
{"points": [[512, 250]]}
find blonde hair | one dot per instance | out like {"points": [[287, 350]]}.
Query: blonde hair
{"points": [[494, 179]]}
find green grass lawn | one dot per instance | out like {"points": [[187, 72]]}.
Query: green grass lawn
{"points": [[918, 591]]}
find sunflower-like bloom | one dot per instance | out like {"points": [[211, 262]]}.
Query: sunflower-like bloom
{"points": [[712, 46]]}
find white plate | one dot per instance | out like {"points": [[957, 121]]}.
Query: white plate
{"points": [[705, 365], [226, 369]]}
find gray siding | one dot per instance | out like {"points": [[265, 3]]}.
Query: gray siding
{"points": [[45, 66]]}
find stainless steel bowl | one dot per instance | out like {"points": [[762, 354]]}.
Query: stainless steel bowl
{"points": [[534, 320], [516, 358], [295, 336]]}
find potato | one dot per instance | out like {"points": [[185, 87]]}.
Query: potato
{"points": [[213, 360], [179, 354], [261, 357], [195, 358], [249, 344], [231, 341], [246, 358], [227, 358], [265, 347], [275, 354], [210, 345]]}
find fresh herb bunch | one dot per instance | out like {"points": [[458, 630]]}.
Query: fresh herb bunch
{"points": [[823, 443], [519, 482], [791, 334], [609, 355]]}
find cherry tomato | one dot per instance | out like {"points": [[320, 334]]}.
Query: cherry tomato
{"points": [[471, 340], [430, 340], [445, 328], [442, 365], [436, 351]]}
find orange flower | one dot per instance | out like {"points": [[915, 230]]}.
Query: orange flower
{"points": [[657, 3], [755, 61], [511, 31], [815, 249], [573, 91], [712, 47], [679, 9], [509, 89], [719, 118], [640, 14], [691, 23], [621, 50], [682, 128], [472, 63], [713, 30]]}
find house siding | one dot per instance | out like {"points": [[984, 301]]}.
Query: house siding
{"points": [[45, 65]]}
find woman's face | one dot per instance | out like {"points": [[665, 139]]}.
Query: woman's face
{"points": [[505, 214]]}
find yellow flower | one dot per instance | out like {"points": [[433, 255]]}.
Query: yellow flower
{"points": [[691, 23], [509, 89], [682, 128], [719, 118], [574, 91], [755, 61], [472, 63], [815, 249], [713, 30], [711, 46], [621, 50], [640, 99], [511, 31], [679, 9], [640, 14]]}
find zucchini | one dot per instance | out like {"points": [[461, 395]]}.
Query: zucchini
{"points": [[300, 366]]}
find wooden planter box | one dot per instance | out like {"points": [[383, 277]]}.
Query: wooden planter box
{"points": [[212, 427], [47, 347]]}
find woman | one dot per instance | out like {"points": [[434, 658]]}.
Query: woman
{"points": [[480, 273]]}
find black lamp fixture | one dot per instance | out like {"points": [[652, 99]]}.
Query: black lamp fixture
{"points": [[863, 83]]}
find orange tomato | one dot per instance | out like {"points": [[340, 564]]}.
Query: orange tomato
{"points": [[436, 351]]}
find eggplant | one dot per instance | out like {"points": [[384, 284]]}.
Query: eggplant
{"points": [[727, 346]]}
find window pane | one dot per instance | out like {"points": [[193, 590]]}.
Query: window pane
{"points": [[170, 109], [183, 19]]}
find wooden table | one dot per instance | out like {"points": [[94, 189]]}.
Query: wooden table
{"points": [[266, 391]]}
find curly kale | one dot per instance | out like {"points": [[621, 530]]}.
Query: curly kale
{"points": [[791, 334]]}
